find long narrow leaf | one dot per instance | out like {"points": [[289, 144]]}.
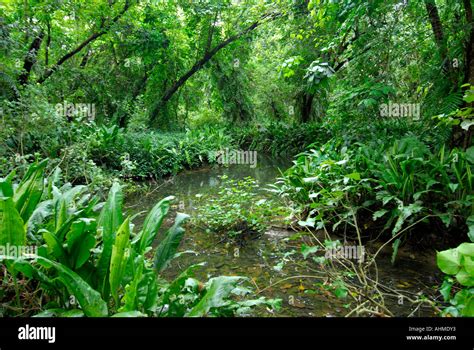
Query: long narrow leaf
{"points": [[153, 223], [109, 221], [168, 247], [119, 258], [29, 191]]}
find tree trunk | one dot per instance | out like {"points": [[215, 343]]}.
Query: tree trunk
{"points": [[30, 59], [306, 107], [437, 28], [469, 59]]}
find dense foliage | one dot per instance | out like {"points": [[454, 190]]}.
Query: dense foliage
{"points": [[371, 100], [93, 259]]}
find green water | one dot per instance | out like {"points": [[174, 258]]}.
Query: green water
{"points": [[258, 259]]}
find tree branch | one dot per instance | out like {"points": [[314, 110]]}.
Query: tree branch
{"points": [[207, 56], [77, 49]]}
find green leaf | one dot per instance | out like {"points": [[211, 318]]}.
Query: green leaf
{"points": [[153, 223], [110, 220], [470, 226], [379, 214], [395, 246], [309, 222], [405, 213], [218, 289], [80, 240], [445, 289], [468, 309], [60, 313], [119, 258], [129, 314], [468, 263], [340, 289], [43, 210], [453, 187], [175, 287], [60, 217], [466, 249], [12, 230], [6, 187], [446, 218], [89, 299], [340, 292], [469, 95], [465, 278], [168, 247], [466, 124], [306, 250], [354, 176], [130, 297], [55, 248], [449, 261], [470, 154], [465, 301], [29, 191]]}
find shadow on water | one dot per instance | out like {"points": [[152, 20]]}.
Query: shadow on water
{"points": [[258, 259]]}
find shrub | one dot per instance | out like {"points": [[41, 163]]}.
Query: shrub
{"points": [[405, 183]]}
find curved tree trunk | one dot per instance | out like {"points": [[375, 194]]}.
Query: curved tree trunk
{"points": [[200, 64]]}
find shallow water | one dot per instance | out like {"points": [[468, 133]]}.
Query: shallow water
{"points": [[258, 258]]}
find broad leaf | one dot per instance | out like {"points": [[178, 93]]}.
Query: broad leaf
{"points": [[218, 289], [168, 247], [153, 223], [89, 299], [449, 261], [12, 230]]}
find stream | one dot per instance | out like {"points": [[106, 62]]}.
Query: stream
{"points": [[414, 272]]}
